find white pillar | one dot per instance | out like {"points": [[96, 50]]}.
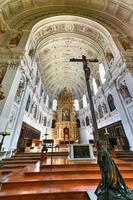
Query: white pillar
{"points": [[10, 84], [18, 123]]}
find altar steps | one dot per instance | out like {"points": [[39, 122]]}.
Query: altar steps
{"points": [[63, 180], [125, 155], [18, 161], [48, 196]]}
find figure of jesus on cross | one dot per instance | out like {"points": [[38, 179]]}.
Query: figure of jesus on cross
{"points": [[87, 76], [112, 185]]}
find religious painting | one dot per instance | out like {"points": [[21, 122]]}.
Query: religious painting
{"points": [[81, 151], [66, 115]]}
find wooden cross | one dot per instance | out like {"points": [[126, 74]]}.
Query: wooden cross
{"points": [[87, 76]]}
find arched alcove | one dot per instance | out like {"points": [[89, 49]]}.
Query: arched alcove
{"points": [[78, 123]]}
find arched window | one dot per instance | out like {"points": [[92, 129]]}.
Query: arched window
{"points": [[78, 123], [94, 86], [47, 101], [45, 121], [76, 104], [87, 121], [102, 72], [54, 107], [53, 123], [110, 100], [84, 101], [28, 103]]}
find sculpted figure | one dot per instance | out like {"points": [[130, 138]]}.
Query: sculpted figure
{"points": [[112, 185]]}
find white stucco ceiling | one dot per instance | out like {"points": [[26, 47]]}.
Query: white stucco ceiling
{"points": [[56, 40]]}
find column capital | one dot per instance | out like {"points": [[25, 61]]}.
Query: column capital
{"points": [[11, 57]]}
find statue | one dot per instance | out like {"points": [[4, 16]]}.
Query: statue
{"points": [[100, 111], [124, 91], [109, 56], [15, 40], [111, 104], [104, 108], [126, 45], [112, 185], [20, 91]]}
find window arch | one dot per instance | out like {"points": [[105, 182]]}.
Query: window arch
{"points": [[54, 107], [95, 89], [84, 101], [102, 72], [76, 104]]}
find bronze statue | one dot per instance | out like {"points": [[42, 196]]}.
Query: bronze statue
{"points": [[112, 185]]}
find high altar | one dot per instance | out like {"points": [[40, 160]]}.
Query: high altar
{"points": [[66, 125]]}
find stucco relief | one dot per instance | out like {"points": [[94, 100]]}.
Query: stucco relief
{"points": [[12, 117]]}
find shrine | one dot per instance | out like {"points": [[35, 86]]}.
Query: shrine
{"points": [[66, 130]]}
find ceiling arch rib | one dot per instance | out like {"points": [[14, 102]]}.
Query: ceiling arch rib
{"points": [[25, 14], [57, 42]]}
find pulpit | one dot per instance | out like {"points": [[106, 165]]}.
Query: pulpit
{"points": [[66, 125]]}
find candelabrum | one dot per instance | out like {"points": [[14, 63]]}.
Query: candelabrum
{"points": [[46, 134], [1, 93]]}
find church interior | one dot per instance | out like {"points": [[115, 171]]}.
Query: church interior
{"points": [[66, 88]]}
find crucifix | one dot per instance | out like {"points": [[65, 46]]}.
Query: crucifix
{"points": [[87, 77], [112, 185]]}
